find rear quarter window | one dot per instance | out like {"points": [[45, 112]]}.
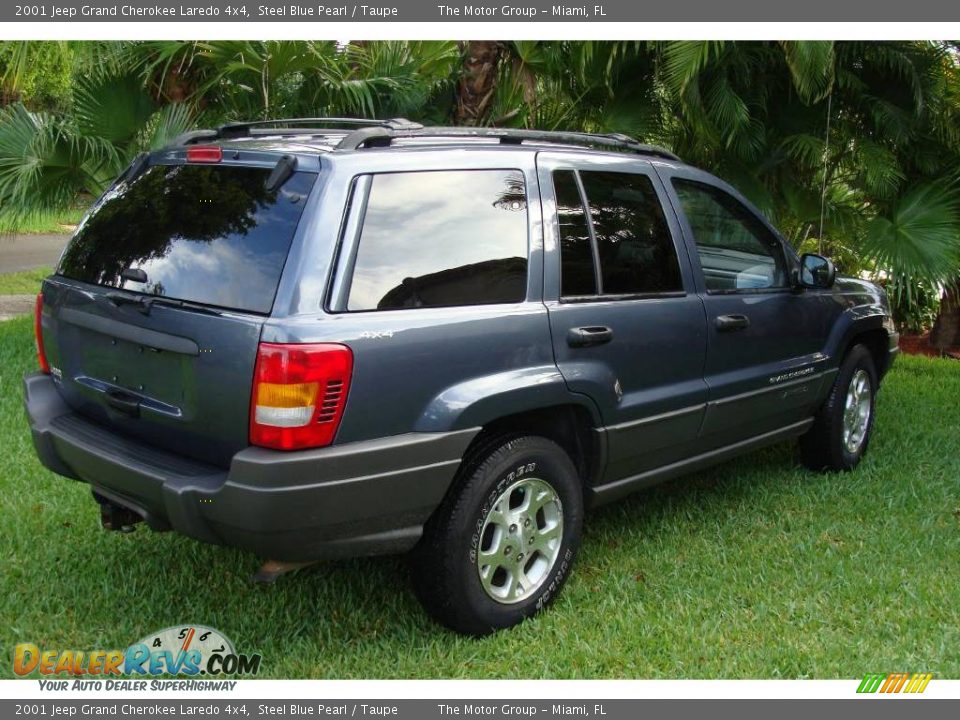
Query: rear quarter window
{"points": [[444, 238]]}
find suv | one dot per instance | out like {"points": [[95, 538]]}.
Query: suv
{"points": [[313, 343]]}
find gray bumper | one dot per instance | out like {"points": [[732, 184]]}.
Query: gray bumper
{"points": [[361, 498]]}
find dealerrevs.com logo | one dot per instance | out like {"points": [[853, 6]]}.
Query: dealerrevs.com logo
{"points": [[182, 650]]}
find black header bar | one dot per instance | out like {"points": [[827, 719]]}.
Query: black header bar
{"points": [[519, 11]]}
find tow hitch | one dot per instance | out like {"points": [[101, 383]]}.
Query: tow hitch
{"points": [[272, 569], [115, 517]]}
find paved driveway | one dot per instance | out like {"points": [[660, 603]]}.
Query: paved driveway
{"points": [[25, 252], [13, 305]]}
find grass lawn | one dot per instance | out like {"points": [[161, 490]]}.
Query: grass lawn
{"points": [[25, 282], [754, 569]]}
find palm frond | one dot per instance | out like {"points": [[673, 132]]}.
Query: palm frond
{"points": [[114, 108], [920, 239], [811, 66], [167, 123], [684, 60], [879, 168], [43, 165]]}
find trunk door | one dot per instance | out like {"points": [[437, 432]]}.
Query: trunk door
{"points": [[159, 300]]}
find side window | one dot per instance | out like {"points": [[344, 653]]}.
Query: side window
{"points": [[630, 236], [435, 239], [636, 250], [737, 251], [577, 277]]}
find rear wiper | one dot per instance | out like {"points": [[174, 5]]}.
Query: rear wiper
{"points": [[183, 305], [118, 299], [145, 303]]}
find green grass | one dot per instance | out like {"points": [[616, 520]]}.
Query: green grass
{"points": [[25, 282], [49, 223], [754, 569]]}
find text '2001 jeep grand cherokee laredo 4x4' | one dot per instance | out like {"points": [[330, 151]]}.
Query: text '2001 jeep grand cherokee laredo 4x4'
{"points": [[315, 343]]}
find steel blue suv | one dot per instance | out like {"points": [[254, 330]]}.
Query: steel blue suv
{"points": [[314, 339]]}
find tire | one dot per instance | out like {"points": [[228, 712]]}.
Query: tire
{"points": [[830, 445], [466, 566]]}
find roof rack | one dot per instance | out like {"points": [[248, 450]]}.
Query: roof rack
{"points": [[383, 135], [229, 131], [368, 132]]}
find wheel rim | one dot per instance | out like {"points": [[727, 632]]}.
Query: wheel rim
{"points": [[520, 540], [856, 412]]}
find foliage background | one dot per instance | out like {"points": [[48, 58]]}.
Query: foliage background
{"points": [[851, 148]]}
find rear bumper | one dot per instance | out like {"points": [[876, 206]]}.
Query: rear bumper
{"points": [[361, 498]]}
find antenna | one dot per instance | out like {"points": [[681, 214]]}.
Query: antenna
{"points": [[823, 187]]}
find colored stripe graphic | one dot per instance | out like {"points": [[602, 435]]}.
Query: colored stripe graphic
{"points": [[919, 682], [871, 681], [894, 682]]}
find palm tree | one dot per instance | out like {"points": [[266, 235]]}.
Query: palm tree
{"points": [[47, 160], [946, 328], [133, 96], [271, 79], [853, 148], [478, 81]]}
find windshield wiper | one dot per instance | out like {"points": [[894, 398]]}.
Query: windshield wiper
{"points": [[183, 305], [118, 299], [145, 303]]}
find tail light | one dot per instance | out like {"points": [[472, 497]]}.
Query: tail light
{"points": [[299, 392], [38, 334]]}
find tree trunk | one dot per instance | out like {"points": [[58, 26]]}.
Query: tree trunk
{"points": [[946, 330], [478, 81]]}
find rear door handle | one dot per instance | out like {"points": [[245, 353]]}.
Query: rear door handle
{"points": [[728, 323], [127, 404], [590, 335]]}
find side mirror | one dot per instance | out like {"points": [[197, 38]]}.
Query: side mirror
{"points": [[816, 271]]}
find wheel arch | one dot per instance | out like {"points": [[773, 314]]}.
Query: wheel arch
{"points": [[869, 326], [570, 425], [876, 341]]}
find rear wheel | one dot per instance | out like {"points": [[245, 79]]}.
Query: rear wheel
{"points": [[841, 433], [501, 546]]}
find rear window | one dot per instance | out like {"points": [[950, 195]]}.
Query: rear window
{"points": [[445, 238], [206, 234]]}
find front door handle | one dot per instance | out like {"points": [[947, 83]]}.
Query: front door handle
{"points": [[728, 323], [587, 336]]}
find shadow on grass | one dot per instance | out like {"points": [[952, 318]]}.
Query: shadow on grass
{"points": [[161, 579]]}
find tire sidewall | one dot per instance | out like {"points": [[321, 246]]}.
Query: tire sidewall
{"points": [[528, 458], [859, 359]]}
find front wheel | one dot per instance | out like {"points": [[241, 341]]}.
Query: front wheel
{"points": [[840, 434], [502, 544]]}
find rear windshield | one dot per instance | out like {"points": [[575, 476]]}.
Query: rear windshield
{"points": [[210, 234]]}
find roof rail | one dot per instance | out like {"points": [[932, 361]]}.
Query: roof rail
{"points": [[243, 129], [383, 135]]}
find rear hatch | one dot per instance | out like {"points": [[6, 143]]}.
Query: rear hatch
{"points": [[156, 309]]}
